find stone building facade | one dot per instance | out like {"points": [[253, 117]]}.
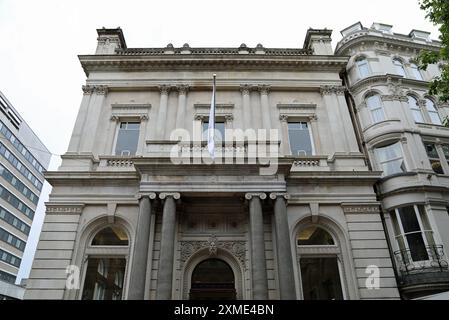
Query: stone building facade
{"points": [[135, 222], [403, 136]]}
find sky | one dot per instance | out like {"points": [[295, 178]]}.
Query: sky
{"points": [[41, 76]]}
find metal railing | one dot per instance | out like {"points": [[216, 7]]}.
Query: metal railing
{"points": [[425, 259]]}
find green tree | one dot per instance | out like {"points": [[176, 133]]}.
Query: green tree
{"points": [[437, 11]]}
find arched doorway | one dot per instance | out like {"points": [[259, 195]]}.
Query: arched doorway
{"points": [[212, 279]]}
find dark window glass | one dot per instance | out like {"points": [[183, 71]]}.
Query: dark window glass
{"points": [[314, 236], [219, 134], [413, 233], [212, 279], [434, 158], [321, 279], [127, 139], [299, 138], [110, 236], [104, 279]]}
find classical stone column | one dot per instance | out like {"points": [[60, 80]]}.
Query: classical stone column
{"points": [[258, 261], [162, 112], [247, 123], [92, 119], [137, 277], [264, 90], [283, 246], [166, 259], [180, 113]]}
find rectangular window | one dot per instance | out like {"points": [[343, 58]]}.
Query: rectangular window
{"points": [[413, 233], [127, 139], [390, 159], [300, 139], [434, 158], [219, 133], [104, 279], [321, 279]]}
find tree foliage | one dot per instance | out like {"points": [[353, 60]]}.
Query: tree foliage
{"points": [[437, 11]]}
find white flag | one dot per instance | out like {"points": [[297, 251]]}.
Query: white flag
{"points": [[211, 127]]}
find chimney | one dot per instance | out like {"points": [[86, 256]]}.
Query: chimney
{"points": [[109, 40], [320, 41]]}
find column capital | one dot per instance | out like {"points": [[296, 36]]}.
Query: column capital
{"points": [[263, 89], [101, 90], [330, 89], [164, 89], [275, 195], [87, 89], [245, 88], [229, 118], [174, 195], [283, 118], [182, 89], [150, 195], [260, 195]]}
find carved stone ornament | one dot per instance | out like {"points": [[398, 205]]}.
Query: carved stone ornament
{"points": [[327, 90], [275, 195], [237, 248], [164, 89], [245, 88], [283, 117]]}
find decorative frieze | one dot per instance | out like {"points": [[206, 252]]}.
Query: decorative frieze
{"points": [[328, 90], [236, 248], [360, 208], [64, 208]]}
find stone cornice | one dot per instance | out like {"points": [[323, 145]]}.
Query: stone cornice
{"points": [[200, 62], [385, 79], [362, 38]]}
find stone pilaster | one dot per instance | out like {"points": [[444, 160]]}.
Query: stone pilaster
{"points": [[166, 260], [247, 123], [258, 261], [265, 106], [182, 98], [92, 119], [162, 112], [283, 247]]}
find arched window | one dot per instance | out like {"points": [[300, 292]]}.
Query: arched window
{"points": [[415, 71], [399, 67], [314, 236], [110, 236], [319, 264], [415, 108], [363, 67], [105, 270], [375, 106], [433, 112]]}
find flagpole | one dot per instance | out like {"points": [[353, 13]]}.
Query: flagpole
{"points": [[211, 126]]}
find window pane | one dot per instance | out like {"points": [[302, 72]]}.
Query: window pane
{"points": [[110, 236], [416, 73], [299, 138], [219, 134], [104, 279], [399, 67], [417, 247], [375, 105], [433, 112], [320, 279], [434, 158], [415, 108], [363, 67], [314, 236], [390, 159], [127, 139], [409, 220]]}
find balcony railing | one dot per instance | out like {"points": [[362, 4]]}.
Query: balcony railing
{"points": [[428, 259]]}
